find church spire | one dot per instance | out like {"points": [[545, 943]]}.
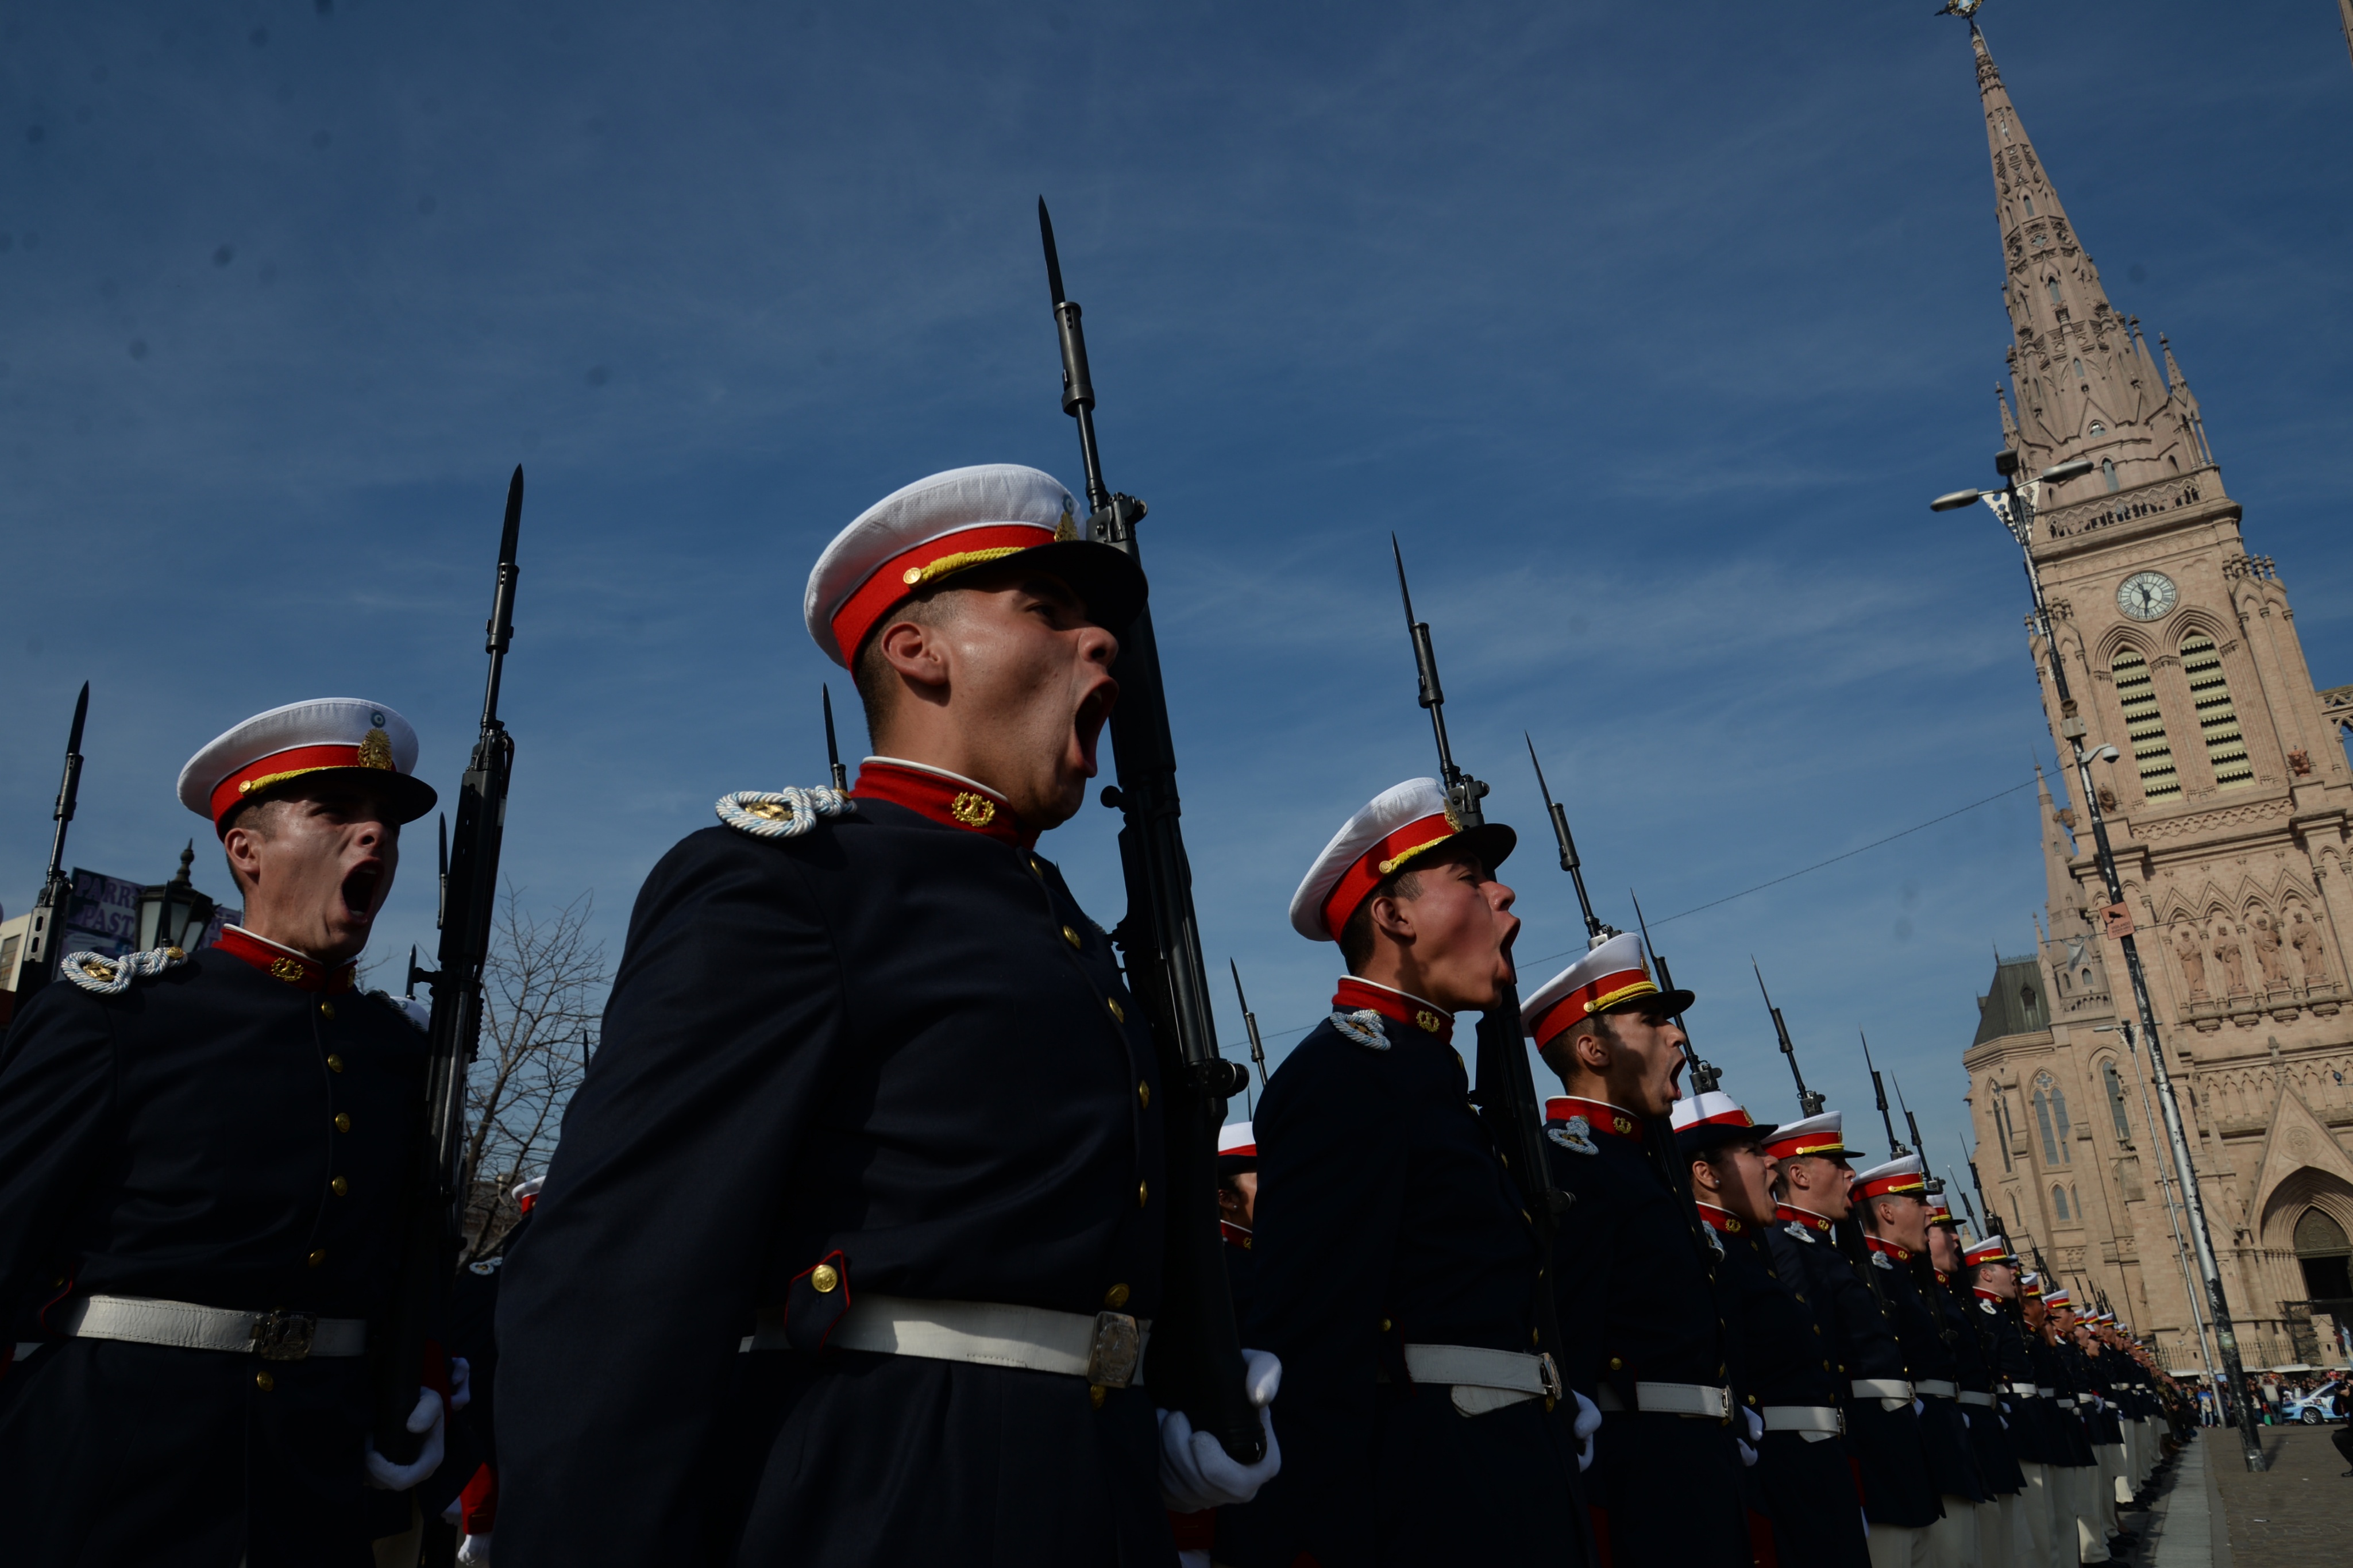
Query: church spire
{"points": [[2084, 386]]}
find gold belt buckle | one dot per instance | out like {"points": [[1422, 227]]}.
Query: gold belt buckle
{"points": [[1118, 1345], [284, 1336]]}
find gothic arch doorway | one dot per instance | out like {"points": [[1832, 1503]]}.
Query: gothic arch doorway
{"points": [[2326, 1255]]}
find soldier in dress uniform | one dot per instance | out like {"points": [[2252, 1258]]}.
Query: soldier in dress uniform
{"points": [[1783, 1361], [473, 1335], [1638, 1308], [2078, 1526], [1891, 1200], [881, 1025], [1991, 1275], [1812, 1174], [1397, 1274], [1989, 1445], [1226, 1534], [203, 1165]]}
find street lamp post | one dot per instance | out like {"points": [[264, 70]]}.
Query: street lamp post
{"points": [[2165, 1186], [2014, 504], [175, 914]]}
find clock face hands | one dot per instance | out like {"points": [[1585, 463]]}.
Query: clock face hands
{"points": [[2146, 595]]}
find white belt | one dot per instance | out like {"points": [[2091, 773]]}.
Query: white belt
{"points": [[1814, 1422], [2066, 1404], [1893, 1392], [1937, 1386], [1104, 1348], [2023, 1390], [1483, 1380], [1971, 1398], [2043, 1390], [272, 1336], [1672, 1399]]}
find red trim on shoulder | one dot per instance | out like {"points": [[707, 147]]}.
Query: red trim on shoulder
{"points": [[1354, 994], [942, 800], [296, 969], [1806, 1218], [1600, 1115]]}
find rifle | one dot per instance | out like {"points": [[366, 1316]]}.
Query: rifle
{"points": [[1704, 1075], [1969, 1207], [1993, 1216], [1250, 1022], [47, 935], [1504, 1092], [832, 750], [1194, 1362], [1895, 1148], [1808, 1102], [469, 889]]}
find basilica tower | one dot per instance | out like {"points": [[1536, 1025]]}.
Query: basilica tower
{"points": [[2228, 813]]}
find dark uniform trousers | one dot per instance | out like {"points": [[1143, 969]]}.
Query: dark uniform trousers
{"points": [[893, 1044], [1802, 1484], [1639, 1305], [1385, 1219], [1889, 1457], [212, 1135]]}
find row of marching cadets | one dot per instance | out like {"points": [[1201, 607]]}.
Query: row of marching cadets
{"points": [[1766, 1355], [919, 1327]]}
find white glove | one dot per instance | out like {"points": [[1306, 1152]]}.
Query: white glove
{"points": [[1747, 1454], [427, 1418], [1755, 1426], [474, 1549], [1588, 1422], [1196, 1471], [461, 1383]]}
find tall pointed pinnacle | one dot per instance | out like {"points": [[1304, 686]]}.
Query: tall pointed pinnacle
{"points": [[2060, 893], [2082, 384]]}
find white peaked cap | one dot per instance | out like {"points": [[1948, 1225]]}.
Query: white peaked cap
{"points": [[951, 523], [1902, 1175], [1402, 822], [1604, 977], [1824, 1135], [323, 734], [529, 1188], [1236, 1138], [1714, 1107]]}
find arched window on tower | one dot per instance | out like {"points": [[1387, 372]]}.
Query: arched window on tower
{"points": [[2052, 284], [2000, 1120], [2108, 472], [2226, 748], [2322, 1249], [2079, 371], [2059, 1202], [2098, 428], [2145, 726], [2050, 1113], [2116, 1101], [2030, 204]]}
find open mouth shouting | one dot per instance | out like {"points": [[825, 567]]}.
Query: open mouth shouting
{"points": [[1087, 724], [360, 889]]}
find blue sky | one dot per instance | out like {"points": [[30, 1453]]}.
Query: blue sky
{"points": [[1649, 330]]}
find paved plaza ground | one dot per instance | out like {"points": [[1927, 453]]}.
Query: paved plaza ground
{"points": [[2210, 1511]]}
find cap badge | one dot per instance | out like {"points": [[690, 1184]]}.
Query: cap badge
{"points": [[972, 810], [1453, 818], [1363, 1027], [1067, 529], [1574, 1135], [1429, 1021], [375, 750]]}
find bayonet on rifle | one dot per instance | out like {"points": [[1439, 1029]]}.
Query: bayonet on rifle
{"points": [[1808, 1102], [1596, 932], [44, 943], [1895, 1148], [832, 750], [1704, 1075], [1933, 1182], [470, 888], [1194, 1361], [1250, 1022]]}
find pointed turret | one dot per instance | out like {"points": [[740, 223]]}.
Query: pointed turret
{"points": [[2060, 896], [2080, 382]]}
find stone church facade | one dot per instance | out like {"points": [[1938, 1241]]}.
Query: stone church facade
{"points": [[2228, 813]]}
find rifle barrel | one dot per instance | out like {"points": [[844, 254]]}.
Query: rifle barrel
{"points": [[832, 750]]}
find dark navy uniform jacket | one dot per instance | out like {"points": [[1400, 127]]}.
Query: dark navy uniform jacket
{"points": [[2029, 1414], [1386, 1219], [1638, 1305], [1889, 1456], [1783, 1357], [895, 1042], [2069, 1446], [219, 1135], [1967, 1331], [1919, 1325]]}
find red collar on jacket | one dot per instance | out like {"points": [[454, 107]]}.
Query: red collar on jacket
{"points": [[298, 970], [1806, 1218], [1880, 1244], [1722, 1219], [1404, 1006], [943, 797], [1600, 1115]]}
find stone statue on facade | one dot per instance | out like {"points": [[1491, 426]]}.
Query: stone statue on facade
{"points": [[2267, 954], [2193, 964], [2234, 963], [2311, 951]]}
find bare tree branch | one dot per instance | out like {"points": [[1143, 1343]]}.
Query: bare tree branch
{"points": [[542, 990]]}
